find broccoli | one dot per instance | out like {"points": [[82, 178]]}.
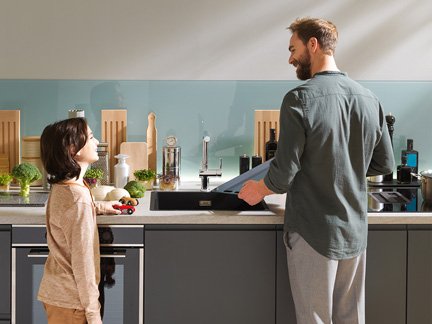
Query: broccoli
{"points": [[25, 174], [135, 189]]}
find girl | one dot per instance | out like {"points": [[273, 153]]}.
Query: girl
{"points": [[69, 286]]}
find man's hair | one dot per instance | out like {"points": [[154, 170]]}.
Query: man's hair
{"points": [[324, 31], [60, 142]]}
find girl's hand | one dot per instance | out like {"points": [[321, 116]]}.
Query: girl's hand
{"points": [[106, 207]]}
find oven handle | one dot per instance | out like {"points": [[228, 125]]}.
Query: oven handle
{"points": [[37, 253]]}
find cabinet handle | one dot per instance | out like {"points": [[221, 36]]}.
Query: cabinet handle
{"points": [[38, 254], [120, 255]]}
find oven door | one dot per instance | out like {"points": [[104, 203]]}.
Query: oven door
{"points": [[121, 285]]}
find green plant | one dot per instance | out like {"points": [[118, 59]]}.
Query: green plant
{"points": [[145, 175], [135, 189], [94, 173], [5, 179], [25, 174]]}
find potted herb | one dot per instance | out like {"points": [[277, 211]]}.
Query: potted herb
{"points": [[92, 176], [146, 177], [5, 180], [25, 174]]}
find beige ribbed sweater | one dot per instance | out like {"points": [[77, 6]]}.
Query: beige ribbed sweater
{"points": [[72, 270]]}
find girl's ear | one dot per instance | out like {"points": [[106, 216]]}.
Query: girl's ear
{"points": [[73, 152]]}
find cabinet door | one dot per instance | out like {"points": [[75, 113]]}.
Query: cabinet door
{"points": [[285, 311], [419, 277], [5, 274], [209, 276], [386, 277]]}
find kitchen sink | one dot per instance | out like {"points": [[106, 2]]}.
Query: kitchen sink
{"points": [[198, 200]]}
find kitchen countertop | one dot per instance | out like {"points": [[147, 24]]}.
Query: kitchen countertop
{"points": [[143, 215]]}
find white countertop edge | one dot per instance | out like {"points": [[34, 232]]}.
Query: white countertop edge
{"points": [[143, 216]]}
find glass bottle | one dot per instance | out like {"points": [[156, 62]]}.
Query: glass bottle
{"points": [[271, 145], [411, 156]]}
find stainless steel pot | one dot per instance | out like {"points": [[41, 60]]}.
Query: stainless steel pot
{"points": [[426, 184]]}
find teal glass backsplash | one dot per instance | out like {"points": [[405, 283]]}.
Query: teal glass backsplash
{"points": [[223, 110]]}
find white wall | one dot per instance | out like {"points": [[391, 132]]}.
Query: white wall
{"points": [[206, 40]]}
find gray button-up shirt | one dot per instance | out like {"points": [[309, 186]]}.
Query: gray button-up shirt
{"points": [[332, 135]]}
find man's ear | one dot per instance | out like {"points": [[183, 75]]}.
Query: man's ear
{"points": [[313, 44]]}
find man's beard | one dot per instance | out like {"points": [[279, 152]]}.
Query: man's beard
{"points": [[303, 70]]}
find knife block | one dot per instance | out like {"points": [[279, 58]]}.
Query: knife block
{"points": [[264, 120], [113, 132]]}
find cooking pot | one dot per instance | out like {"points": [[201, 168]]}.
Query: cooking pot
{"points": [[426, 184]]}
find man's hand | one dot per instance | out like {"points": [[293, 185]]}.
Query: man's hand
{"points": [[254, 191]]}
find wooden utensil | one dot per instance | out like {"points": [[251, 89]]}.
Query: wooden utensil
{"points": [[152, 141], [137, 152]]}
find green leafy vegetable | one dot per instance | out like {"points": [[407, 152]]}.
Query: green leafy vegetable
{"points": [[94, 173], [5, 179], [144, 175]]}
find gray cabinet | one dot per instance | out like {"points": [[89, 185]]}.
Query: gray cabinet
{"points": [[209, 274], [419, 299], [5, 264], [285, 311], [386, 275]]}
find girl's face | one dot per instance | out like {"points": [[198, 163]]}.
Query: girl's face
{"points": [[88, 154]]}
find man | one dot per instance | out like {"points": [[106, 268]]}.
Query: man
{"points": [[332, 135]]}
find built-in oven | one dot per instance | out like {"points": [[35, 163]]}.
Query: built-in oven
{"points": [[122, 273]]}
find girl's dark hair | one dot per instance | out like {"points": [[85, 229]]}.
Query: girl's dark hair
{"points": [[60, 142]]}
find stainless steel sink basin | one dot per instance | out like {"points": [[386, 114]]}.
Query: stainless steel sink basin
{"points": [[197, 200]]}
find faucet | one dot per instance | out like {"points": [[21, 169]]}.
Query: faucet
{"points": [[204, 171]]}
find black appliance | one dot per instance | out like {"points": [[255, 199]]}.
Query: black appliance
{"points": [[122, 273], [397, 199]]}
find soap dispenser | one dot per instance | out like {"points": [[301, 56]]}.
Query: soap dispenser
{"points": [[121, 171]]}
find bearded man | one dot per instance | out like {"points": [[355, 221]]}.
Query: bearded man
{"points": [[333, 135]]}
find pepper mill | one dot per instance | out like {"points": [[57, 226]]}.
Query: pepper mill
{"points": [[390, 120], [151, 141]]}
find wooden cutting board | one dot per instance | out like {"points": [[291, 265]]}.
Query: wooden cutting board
{"points": [[137, 152], [10, 143]]}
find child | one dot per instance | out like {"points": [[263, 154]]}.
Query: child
{"points": [[69, 286]]}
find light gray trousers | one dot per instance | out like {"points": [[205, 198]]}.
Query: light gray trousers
{"points": [[324, 290]]}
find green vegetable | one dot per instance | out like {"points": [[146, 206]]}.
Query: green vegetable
{"points": [[94, 173], [5, 179], [135, 189], [25, 174], [144, 175]]}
